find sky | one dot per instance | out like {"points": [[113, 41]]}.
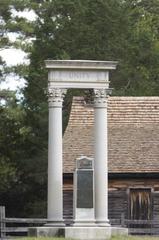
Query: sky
{"points": [[13, 57]]}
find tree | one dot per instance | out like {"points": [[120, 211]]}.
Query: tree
{"points": [[140, 70], [20, 176], [10, 127]]}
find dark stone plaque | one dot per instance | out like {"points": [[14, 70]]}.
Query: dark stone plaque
{"points": [[84, 188]]}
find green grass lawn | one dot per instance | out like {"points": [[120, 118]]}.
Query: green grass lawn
{"points": [[41, 238], [113, 238], [134, 238]]}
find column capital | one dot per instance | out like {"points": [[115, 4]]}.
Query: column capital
{"points": [[100, 96], [55, 96]]}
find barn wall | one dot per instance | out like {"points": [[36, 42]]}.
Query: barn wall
{"points": [[117, 203], [118, 199], [68, 199], [156, 211]]}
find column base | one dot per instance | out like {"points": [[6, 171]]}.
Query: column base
{"points": [[103, 223], [84, 223]]}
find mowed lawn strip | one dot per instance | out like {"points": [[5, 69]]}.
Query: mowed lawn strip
{"points": [[135, 238], [113, 238]]}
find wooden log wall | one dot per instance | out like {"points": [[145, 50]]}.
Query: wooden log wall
{"points": [[155, 216], [68, 204], [117, 204], [118, 197]]}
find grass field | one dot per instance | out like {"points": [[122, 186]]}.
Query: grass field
{"points": [[135, 238], [113, 238]]}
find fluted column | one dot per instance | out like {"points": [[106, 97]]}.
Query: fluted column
{"points": [[55, 175], [101, 156]]}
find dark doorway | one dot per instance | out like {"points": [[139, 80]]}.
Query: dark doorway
{"points": [[140, 211], [140, 204]]}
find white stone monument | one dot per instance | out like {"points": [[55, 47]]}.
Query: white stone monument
{"points": [[78, 74], [65, 74], [86, 74]]}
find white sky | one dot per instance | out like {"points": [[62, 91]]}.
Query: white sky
{"points": [[13, 57], [30, 15]]}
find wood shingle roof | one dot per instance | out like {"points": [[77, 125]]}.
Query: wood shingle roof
{"points": [[133, 134]]}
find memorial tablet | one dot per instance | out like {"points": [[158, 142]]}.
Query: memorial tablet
{"points": [[84, 189]]}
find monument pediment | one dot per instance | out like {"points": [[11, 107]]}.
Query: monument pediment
{"points": [[84, 163]]}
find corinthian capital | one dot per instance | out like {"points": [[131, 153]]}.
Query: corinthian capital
{"points": [[100, 96], [55, 96], [102, 93]]}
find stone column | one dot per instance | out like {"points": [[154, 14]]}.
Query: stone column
{"points": [[101, 157], [55, 174]]}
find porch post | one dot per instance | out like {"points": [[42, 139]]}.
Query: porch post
{"points": [[101, 157], [55, 175]]}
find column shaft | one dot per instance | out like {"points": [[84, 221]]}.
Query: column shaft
{"points": [[55, 174], [100, 162]]}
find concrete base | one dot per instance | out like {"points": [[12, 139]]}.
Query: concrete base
{"points": [[119, 231], [91, 233], [82, 233]]}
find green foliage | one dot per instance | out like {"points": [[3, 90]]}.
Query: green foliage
{"points": [[144, 50], [19, 176], [7, 174]]}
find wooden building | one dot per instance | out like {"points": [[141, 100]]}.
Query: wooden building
{"points": [[133, 154]]}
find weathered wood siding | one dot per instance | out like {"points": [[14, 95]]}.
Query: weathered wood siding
{"points": [[68, 199], [118, 198], [117, 203], [155, 198], [68, 204]]}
